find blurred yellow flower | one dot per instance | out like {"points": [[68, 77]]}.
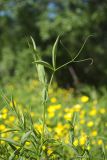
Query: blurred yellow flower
{"points": [[4, 116], [83, 140], [53, 100], [16, 138], [77, 107], [3, 135], [49, 151], [94, 133], [51, 114], [43, 147], [2, 142], [27, 143], [102, 110], [76, 142], [90, 123], [4, 110], [93, 112], [2, 127], [82, 121], [11, 118], [38, 127], [59, 129], [68, 116], [100, 142], [84, 99]]}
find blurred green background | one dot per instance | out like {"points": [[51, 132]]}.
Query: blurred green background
{"points": [[44, 20]]}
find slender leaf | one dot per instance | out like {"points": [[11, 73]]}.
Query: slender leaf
{"points": [[54, 50], [25, 137], [45, 64]]}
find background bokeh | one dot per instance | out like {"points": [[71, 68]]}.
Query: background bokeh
{"points": [[44, 20]]}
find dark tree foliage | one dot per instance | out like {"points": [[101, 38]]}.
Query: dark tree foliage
{"points": [[45, 20]]}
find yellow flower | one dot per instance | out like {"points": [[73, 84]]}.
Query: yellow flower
{"points": [[11, 118], [84, 99], [93, 112], [94, 133], [83, 140], [102, 110], [2, 142], [68, 116], [2, 127], [75, 143], [77, 108], [4, 116], [53, 100], [3, 135], [59, 129], [82, 121], [16, 138], [27, 143], [49, 151], [51, 114], [100, 142], [4, 110], [38, 127], [90, 123], [58, 106], [43, 147]]}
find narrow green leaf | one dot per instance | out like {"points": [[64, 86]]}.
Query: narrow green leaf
{"points": [[33, 42], [10, 141], [45, 64], [54, 50], [25, 137]]}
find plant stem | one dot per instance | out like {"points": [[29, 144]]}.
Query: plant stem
{"points": [[44, 121]]}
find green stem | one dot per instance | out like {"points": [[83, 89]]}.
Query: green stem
{"points": [[44, 119], [51, 79]]}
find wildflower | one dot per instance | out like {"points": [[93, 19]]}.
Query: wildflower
{"points": [[44, 148], [16, 138], [2, 127], [68, 116], [38, 127], [102, 110], [100, 142], [90, 123], [93, 112], [77, 107], [4, 110], [83, 140], [94, 133], [84, 99], [59, 129], [11, 118], [53, 100], [51, 114], [27, 143], [4, 116], [2, 142], [49, 151], [82, 121], [75, 143]]}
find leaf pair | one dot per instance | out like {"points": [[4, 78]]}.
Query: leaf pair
{"points": [[43, 63]]}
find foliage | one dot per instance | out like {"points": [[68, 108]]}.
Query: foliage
{"points": [[76, 19], [67, 130]]}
